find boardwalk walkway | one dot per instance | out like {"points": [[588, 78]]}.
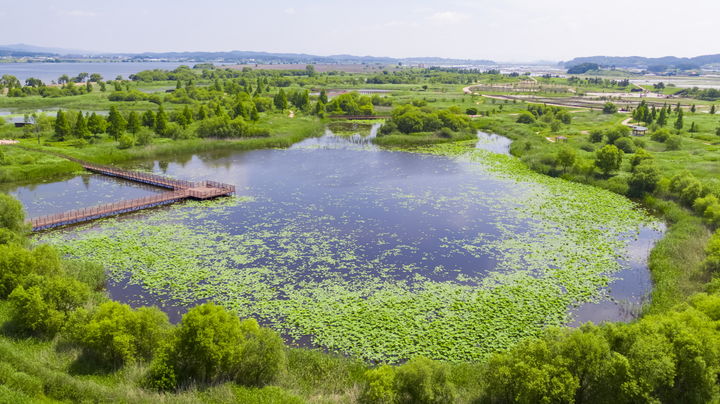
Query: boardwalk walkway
{"points": [[179, 190]]}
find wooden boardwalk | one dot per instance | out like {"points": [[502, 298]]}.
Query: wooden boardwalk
{"points": [[179, 190]]}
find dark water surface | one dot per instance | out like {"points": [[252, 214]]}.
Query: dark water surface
{"points": [[78, 192], [402, 207]]}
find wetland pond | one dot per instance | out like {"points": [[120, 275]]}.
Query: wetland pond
{"points": [[451, 253]]}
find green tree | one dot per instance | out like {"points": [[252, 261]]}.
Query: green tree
{"points": [[566, 157], [133, 122], [81, 130], [148, 119], [280, 100], [186, 117], [116, 122], [644, 179], [692, 108], [96, 124], [712, 109], [323, 96], [300, 99], [161, 121], [662, 117], [608, 158], [639, 156], [62, 126], [609, 108], [679, 120], [310, 70]]}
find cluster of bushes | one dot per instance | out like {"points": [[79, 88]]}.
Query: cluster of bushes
{"points": [[134, 95], [554, 117], [409, 119], [663, 135], [348, 104], [691, 193]]}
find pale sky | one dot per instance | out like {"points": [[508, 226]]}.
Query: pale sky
{"points": [[500, 30]]}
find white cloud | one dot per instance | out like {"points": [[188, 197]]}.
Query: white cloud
{"points": [[290, 11], [448, 17], [79, 13]]}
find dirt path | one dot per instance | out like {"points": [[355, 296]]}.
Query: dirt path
{"points": [[7, 141], [291, 114]]}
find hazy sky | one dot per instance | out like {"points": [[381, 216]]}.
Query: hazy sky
{"points": [[501, 30]]}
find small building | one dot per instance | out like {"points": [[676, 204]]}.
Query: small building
{"points": [[639, 130]]}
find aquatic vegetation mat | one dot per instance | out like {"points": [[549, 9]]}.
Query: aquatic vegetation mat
{"points": [[384, 271]]}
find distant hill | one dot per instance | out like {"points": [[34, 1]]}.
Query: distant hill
{"points": [[639, 62], [268, 57], [41, 50], [235, 56]]}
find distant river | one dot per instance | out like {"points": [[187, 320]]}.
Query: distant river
{"points": [[48, 72]]}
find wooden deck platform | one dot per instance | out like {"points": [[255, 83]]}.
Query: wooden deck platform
{"points": [[179, 190]]}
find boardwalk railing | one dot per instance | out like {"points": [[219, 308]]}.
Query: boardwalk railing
{"points": [[181, 189], [104, 210]]}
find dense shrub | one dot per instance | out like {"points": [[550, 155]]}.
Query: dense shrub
{"points": [[596, 136], [212, 345], [222, 127], [712, 261], [640, 156], [17, 264], [625, 144], [644, 179], [673, 143], [608, 158], [616, 132], [422, 380], [12, 215], [117, 334], [44, 306], [661, 135], [408, 119], [126, 141], [686, 187], [525, 117], [609, 108]]}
